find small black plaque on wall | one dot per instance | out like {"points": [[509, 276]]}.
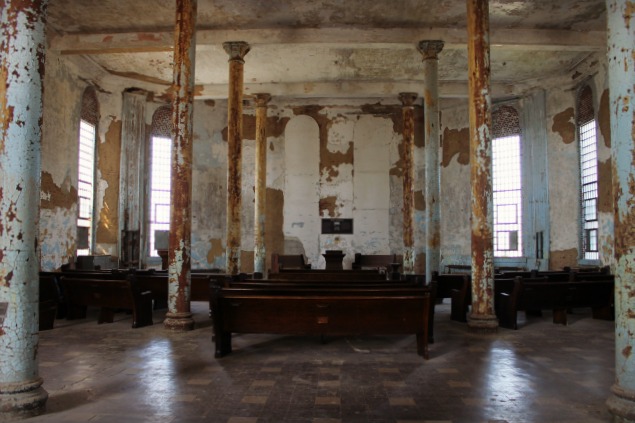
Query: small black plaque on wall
{"points": [[337, 226]]}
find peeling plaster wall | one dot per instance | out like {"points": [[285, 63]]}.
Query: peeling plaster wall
{"points": [[455, 185], [60, 129], [323, 161], [563, 164]]}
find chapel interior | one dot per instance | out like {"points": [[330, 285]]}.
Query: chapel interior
{"points": [[361, 106]]}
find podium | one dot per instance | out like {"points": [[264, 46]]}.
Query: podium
{"points": [[334, 259]]}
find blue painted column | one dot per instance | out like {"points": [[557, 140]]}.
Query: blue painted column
{"points": [[621, 75], [430, 51], [179, 315], [22, 47]]}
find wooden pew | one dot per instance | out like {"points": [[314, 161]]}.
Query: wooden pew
{"points": [[319, 311], [49, 300], [559, 296], [457, 287], [288, 261], [325, 275], [109, 295], [376, 261]]}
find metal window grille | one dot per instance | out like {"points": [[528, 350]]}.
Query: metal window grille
{"points": [[588, 190], [507, 187], [86, 180], [160, 164]]}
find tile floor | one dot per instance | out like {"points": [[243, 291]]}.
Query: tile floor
{"points": [[539, 373]]}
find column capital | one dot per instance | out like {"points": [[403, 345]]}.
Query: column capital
{"points": [[430, 49], [262, 99], [236, 49], [407, 99]]}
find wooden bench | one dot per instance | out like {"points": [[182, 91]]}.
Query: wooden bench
{"points": [[538, 294], [457, 287], [287, 261], [49, 301], [319, 311], [325, 275], [109, 295], [376, 261]]}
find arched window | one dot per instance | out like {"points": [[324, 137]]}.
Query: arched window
{"points": [[89, 118], [586, 128], [507, 182], [160, 171]]}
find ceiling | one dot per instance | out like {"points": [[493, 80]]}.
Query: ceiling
{"points": [[330, 48]]}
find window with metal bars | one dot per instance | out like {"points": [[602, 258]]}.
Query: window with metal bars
{"points": [[86, 180], [588, 190], [507, 193], [160, 165]]}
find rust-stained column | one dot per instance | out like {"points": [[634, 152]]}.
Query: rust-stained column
{"points": [[179, 316], [260, 205], [621, 76], [430, 51], [482, 316], [407, 100], [237, 51], [22, 47]]}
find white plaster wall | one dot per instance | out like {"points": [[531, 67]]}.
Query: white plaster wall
{"points": [[371, 186], [301, 195]]}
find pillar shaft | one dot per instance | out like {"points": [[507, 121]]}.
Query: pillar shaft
{"points": [[22, 48], [179, 316], [482, 316], [621, 76], [260, 205], [236, 50], [430, 51], [407, 100]]}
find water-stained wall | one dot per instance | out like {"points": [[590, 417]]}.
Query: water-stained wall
{"points": [[325, 159]]}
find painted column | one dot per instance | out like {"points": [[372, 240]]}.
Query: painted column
{"points": [[179, 316], [260, 205], [131, 182], [482, 316], [237, 51], [621, 75], [22, 47], [430, 51], [407, 100]]}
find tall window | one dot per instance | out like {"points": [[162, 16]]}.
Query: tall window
{"points": [[507, 183], [160, 171], [588, 175], [86, 171]]}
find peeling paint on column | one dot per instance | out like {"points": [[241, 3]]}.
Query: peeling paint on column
{"points": [[179, 316], [430, 51], [564, 125], [237, 51], [260, 206], [274, 233], [621, 63], [22, 46], [604, 118], [407, 99], [108, 153], [482, 316]]}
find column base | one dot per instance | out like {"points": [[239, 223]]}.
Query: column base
{"points": [[482, 323], [179, 322], [621, 404], [22, 400]]}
